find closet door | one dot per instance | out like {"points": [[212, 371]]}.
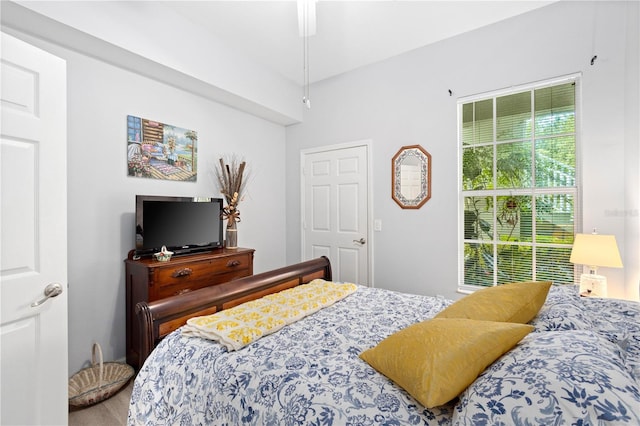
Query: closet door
{"points": [[335, 200]]}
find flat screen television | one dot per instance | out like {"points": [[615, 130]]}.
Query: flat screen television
{"points": [[183, 224]]}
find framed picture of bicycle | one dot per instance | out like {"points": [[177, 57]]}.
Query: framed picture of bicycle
{"points": [[161, 151]]}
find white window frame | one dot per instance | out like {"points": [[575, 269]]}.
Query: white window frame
{"points": [[575, 78]]}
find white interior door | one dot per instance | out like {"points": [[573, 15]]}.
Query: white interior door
{"points": [[335, 203], [33, 252]]}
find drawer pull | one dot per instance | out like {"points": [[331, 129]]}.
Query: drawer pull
{"points": [[183, 291], [184, 272], [233, 263]]}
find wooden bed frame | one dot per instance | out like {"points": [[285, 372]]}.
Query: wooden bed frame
{"points": [[161, 317]]}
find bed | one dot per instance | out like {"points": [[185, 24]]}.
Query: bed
{"points": [[577, 361]]}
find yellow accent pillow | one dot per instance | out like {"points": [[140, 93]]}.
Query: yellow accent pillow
{"points": [[435, 360], [513, 302]]}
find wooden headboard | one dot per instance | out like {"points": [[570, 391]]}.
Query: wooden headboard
{"points": [[161, 317]]}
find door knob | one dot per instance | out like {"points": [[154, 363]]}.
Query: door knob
{"points": [[361, 241], [52, 290]]}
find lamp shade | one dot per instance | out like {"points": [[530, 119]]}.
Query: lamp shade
{"points": [[596, 250]]}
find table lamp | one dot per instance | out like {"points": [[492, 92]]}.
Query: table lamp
{"points": [[595, 250]]}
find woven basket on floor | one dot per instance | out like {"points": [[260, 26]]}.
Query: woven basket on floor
{"points": [[98, 382]]}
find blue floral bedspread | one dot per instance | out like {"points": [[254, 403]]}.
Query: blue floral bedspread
{"points": [[577, 368]]}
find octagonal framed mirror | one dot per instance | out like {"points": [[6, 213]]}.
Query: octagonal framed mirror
{"points": [[411, 177]]}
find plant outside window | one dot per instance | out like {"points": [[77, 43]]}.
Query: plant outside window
{"points": [[519, 186]]}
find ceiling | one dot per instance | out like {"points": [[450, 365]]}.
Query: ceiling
{"points": [[350, 34]]}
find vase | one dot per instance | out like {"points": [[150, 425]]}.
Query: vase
{"points": [[232, 235]]}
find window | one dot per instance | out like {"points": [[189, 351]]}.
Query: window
{"points": [[134, 129], [518, 185]]}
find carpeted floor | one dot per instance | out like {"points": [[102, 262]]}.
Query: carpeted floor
{"points": [[111, 412]]}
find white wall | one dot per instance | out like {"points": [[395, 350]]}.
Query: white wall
{"points": [[101, 197], [405, 101]]}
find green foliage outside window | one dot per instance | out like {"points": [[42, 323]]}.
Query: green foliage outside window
{"points": [[519, 186]]}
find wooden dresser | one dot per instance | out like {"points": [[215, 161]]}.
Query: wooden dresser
{"points": [[149, 280]]}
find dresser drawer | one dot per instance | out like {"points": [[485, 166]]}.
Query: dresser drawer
{"points": [[182, 277], [231, 263], [173, 274], [167, 290]]}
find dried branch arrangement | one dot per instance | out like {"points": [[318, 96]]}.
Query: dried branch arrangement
{"points": [[232, 183]]}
